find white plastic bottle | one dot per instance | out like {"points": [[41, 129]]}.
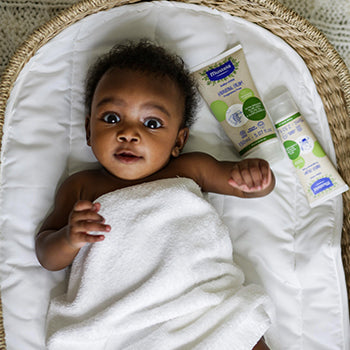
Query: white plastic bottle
{"points": [[319, 178], [228, 88]]}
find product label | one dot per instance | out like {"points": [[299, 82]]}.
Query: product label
{"points": [[221, 72], [321, 185], [230, 92], [315, 171]]}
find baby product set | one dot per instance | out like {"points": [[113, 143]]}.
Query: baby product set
{"points": [[291, 251], [228, 88]]}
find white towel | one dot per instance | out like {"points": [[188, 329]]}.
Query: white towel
{"points": [[163, 278]]}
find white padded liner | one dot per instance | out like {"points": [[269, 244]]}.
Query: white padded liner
{"points": [[281, 243]]}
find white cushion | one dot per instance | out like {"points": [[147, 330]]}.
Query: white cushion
{"points": [[281, 243]]}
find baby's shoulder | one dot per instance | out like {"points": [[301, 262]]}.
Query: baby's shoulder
{"points": [[192, 165], [83, 177], [82, 184]]}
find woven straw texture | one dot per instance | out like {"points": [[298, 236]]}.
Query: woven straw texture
{"points": [[19, 18], [328, 70], [331, 17]]}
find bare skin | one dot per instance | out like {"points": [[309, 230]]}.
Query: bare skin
{"points": [[261, 345], [135, 131], [67, 228]]}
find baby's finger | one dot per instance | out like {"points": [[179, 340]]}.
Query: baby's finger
{"points": [[89, 226], [236, 175], [257, 177], [237, 180], [79, 239], [86, 237], [249, 177], [265, 172], [82, 205], [241, 187], [85, 215]]}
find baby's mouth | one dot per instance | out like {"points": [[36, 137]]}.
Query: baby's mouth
{"points": [[127, 157]]}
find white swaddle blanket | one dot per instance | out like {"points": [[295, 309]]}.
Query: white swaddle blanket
{"points": [[163, 278]]}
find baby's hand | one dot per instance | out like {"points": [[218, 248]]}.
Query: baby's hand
{"points": [[83, 219], [251, 175]]}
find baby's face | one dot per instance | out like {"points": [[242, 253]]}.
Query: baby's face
{"points": [[134, 126]]}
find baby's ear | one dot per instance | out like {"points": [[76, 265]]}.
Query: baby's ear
{"points": [[181, 139], [87, 129]]}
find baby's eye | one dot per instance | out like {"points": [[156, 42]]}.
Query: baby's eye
{"points": [[153, 123], [111, 118]]}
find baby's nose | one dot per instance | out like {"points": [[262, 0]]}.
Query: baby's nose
{"points": [[128, 135]]}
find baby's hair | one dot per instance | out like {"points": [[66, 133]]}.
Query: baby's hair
{"points": [[146, 57]]}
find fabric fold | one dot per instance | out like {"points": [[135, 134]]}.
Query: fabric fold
{"points": [[163, 278]]}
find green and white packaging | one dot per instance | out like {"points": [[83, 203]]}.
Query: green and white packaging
{"points": [[229, 90], [319, 178]]}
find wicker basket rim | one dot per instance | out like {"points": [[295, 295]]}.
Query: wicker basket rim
{"points": [[270, 14]]}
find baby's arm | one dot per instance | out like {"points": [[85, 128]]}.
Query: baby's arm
{"points": [[246, 178], [67, 228]]}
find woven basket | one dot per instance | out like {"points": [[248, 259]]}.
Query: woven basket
{"points": [[328, 70]]}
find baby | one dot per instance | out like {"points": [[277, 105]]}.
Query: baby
{"points": [[140, 103]]}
